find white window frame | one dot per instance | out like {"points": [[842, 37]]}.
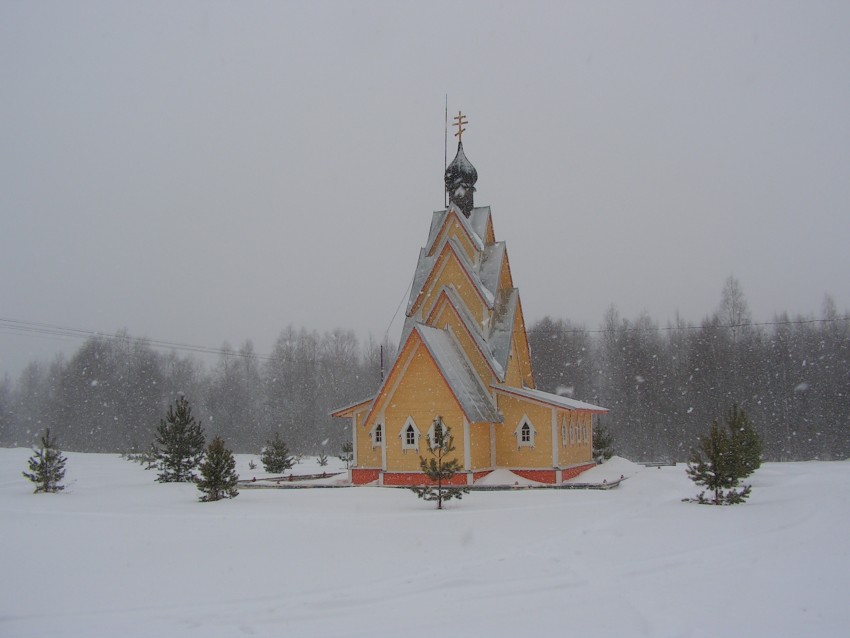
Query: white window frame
{"points": [[376, 431], [410, 423], [532, 432]]}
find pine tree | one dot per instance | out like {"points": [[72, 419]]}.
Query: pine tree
{"points": [[218, 473], [47, 466], [439, 470], [322, 459], [347, 454], [276, 458], [603, 444], [180, 444], [745, 442], [715, 465]]}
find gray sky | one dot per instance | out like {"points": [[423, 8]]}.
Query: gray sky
{"points": [[207, 171]]}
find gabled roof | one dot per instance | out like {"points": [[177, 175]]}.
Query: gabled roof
{"points": [[476, 224], [475, 401], [473, 329], [428, 265], [351, 409], [443, 218], [548, 398]]}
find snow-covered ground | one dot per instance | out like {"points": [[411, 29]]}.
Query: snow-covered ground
{"points": [[119, 555]]}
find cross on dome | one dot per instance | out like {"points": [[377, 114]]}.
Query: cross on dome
{"points": [[460, 120]]}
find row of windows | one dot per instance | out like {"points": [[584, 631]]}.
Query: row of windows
{"points": [[409, 435], [571, 434], [575, 433]]}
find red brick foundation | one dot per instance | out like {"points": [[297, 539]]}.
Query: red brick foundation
{"points": [[361, 476], [541, 476], [572, 472], [418, 478], [550, 477]]}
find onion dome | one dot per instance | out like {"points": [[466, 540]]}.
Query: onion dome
{"points": [[460, 181]]}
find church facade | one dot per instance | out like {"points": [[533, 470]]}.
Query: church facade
{"points": [[464, 356]]}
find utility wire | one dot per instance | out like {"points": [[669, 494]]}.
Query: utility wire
{"points": [[669, 328], [65, 333]]}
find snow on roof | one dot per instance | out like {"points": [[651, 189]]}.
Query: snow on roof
{"points": [[478, 219], [475, 401], [502, 325], [491, 266], [423, 269], [426, 265], [487, 294], [474, 329], [549, 398], [436, 223]]}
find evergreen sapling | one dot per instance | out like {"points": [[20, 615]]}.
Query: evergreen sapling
{"points": [[439, 469], [47, 466], [715, 465], [745, 442], [218, 473], [276, 458], [179, 444]]}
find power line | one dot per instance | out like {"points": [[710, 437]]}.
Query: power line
{"points": [[669, 328], [65, 333]]}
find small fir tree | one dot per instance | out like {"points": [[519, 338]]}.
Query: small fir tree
{"points": [[276, 458], [603, 444], [715, 465], [745, 442], [179, 444], [218, 473], [322, 459], [347, 454], [47, 466], [439, 469]]}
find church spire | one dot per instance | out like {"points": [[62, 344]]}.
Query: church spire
{"points": [[461, 174]]}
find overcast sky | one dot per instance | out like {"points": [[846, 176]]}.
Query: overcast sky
{"points": [[202, 172]]}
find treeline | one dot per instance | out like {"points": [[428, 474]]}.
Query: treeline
{"points": [[111, 395], [664, 385]]}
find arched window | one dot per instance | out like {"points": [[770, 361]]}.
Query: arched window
{"points": [[409, 435], [525, 433]]}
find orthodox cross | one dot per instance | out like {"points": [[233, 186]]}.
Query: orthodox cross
{"points": [[460, 120]]}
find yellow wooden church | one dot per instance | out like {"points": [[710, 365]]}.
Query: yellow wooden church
{"points": [[464, 356]]}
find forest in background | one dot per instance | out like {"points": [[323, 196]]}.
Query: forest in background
{"points": [[663, 385]]}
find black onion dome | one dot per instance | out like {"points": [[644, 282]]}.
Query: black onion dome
{"points": [[460, 171]]}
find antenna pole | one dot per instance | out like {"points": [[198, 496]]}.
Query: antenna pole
{"points": [[446, 151]]}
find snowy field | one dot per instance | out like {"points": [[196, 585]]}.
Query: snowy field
{"points": [[119, 555]]}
